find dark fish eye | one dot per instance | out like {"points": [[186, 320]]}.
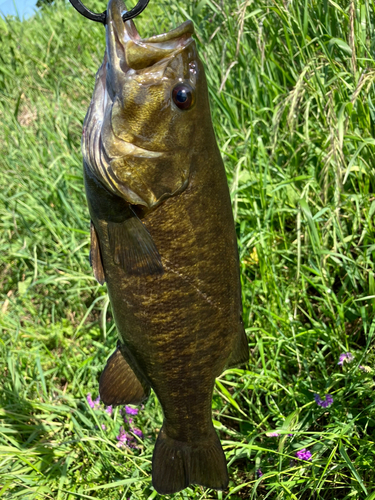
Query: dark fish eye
{"points": [[183, 96]]}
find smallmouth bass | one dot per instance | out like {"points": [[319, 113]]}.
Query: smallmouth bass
{"points": [[163, 239]]}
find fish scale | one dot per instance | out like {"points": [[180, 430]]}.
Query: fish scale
{"points": [[163, 239]]}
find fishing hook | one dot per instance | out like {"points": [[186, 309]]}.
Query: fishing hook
{"points": [[102, 18]]}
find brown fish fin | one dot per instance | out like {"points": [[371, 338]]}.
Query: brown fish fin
{"points": [[240, 353], [177, 464], [133, 248], [118, 384], [95, 256]]}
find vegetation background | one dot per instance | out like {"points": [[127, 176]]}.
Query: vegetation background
{"points": [[292, 93]]}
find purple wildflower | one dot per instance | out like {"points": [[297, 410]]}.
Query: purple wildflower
{"points": [[93, 404], [365, 369], [259, 473], [272, 434], [304, 454], [137, 432], [122, 438], [324, 403], [104, 427], [126, 439], [290, 435], [345, 357], [109, 410], [131, 411]]}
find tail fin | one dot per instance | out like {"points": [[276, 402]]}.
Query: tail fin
{"points": [[177, 464]]}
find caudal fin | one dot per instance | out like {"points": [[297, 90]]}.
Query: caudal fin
{"points": [[177, 464]]}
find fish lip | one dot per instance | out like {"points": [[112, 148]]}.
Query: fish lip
{"points": [[184, 29], [121, 37], [126, 31], [182, 33]]}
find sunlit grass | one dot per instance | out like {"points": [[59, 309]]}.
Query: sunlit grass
{"points": [[292, 93]]}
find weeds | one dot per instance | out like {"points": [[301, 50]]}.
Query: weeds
{"points": [[292, 93]]}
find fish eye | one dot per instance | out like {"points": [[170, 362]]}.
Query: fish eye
{"points": [[183, 96]]}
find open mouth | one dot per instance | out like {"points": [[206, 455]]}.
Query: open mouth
{"points": [[173, 37], [115, 140], [131, 51]]}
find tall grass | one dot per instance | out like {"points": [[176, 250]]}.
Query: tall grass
{"points": [[292, 93]]}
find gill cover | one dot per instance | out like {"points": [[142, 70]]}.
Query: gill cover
{"points": [[136, 141]]}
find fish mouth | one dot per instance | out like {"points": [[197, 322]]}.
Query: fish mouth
{"points": [[186, 28], [111, 151], [127, 50]]}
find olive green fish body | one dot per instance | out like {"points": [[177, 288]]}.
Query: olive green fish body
{"points": [[163, 239]]}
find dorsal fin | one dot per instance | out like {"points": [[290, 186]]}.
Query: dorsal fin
{"points": [[240, 352]]}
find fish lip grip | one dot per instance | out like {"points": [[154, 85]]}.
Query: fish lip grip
{"points": [[102, 18]]}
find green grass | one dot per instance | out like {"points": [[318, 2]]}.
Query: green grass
{"points": [[293, 103]]}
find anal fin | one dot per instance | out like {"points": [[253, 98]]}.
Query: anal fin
{"points": [[133, 248], [118, 384], [95, 256], [240, 352]]}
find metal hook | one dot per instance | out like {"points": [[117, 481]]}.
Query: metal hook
{"points": [[102, 18]]}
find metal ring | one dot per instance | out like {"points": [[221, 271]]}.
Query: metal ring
{"points": [[140, 7], [102, 18]]}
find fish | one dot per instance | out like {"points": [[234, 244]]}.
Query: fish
{"points": [[163, 239]]}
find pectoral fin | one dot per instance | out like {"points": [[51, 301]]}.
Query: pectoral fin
{"points": [[95, 256], [118, 384], [133, 248]]}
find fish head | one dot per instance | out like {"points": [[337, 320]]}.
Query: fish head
{"points": [[149, 103]]}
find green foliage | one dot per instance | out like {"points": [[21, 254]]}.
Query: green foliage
{"points": [[292, 92], [43, 3]]}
